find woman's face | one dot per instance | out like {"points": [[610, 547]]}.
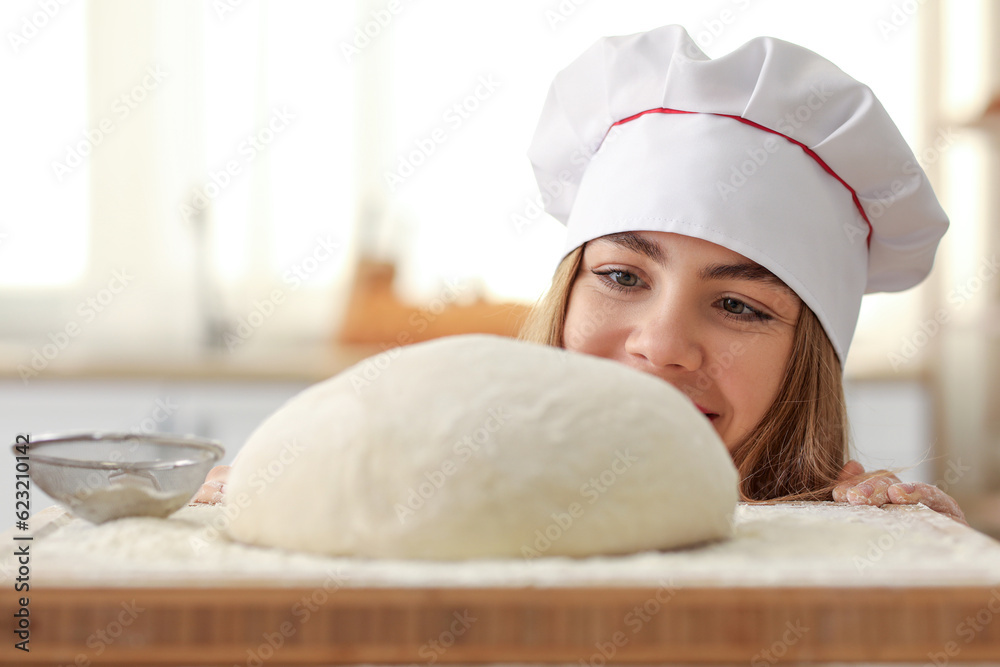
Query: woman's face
{"points": [[709, 321]]}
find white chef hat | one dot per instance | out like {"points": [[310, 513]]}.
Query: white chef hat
{"points": [[771, 151]]}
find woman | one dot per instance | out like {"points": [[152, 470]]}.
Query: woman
{"points": [[724, 219], [753, 359]]}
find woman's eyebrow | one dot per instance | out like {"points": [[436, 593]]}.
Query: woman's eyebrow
{"points": [[741, 271], [638, 244]]}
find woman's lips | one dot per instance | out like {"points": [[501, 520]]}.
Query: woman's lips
{"points": [[708, 413]]}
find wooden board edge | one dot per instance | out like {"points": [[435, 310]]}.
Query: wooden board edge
{"points": [[172, 626]]}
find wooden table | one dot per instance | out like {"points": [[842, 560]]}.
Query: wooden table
{"points": [[798, 582]]}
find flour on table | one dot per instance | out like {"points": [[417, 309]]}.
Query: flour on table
{"points": [[790, 544]]}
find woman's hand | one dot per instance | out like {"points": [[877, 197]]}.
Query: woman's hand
{"points": [[881, 488], [214, 487]]}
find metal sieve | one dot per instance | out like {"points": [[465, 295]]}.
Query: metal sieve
{"points": [[104, 476]]}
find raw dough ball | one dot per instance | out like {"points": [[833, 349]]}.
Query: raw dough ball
{"points": [[481, 446]]}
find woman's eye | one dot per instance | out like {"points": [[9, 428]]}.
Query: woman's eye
{"points": [[624, 278], [619, 279], [737, 309], [733, 306]]}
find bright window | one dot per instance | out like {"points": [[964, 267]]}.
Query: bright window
{"points": [[317, 131], [44, 229], [279, 139]]}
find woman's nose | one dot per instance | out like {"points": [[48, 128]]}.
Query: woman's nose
{"points": [[664, 337]]}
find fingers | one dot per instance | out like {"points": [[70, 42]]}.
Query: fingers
{"points": [[871, 491], [210, 493], [214, 488], [931, 496], [881, 488], [840, 492], [852, 469], [864, 489], [218, 474]]}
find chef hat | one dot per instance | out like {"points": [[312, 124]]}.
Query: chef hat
{"points": [[771, 151]]}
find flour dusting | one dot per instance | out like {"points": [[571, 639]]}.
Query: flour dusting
{"points": [[791, 544]]}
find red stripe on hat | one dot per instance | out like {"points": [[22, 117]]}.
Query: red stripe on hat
{"points": [[808, 151]]}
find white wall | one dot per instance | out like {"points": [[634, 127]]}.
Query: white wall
{"points": [[224, 411], [893, 428]]}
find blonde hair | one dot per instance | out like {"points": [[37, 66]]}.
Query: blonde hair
{"points": [[800, 445]]}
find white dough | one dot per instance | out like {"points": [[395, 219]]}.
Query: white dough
{"points": [[481, 446]]}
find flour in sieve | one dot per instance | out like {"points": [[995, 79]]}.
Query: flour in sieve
{"points": [[118, 501]]}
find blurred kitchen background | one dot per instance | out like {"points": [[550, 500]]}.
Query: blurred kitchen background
{"points": [[211, 204]]}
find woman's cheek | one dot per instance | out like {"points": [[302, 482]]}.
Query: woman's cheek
{"points": [[751, 389], [573, 338], [590, 325]]}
